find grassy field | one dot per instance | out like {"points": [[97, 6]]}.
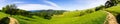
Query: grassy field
{"points": [[114, 10], [27, 20], [93, 18], [66, 18], [2, 15], [71, 17]]}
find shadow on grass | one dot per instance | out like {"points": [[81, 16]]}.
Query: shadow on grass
{"points": [[118, 18], [4, 20]]}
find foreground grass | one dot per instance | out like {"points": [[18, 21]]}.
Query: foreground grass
{"points": [[114, 9], [73, 17], [27, 20], [93, 18], [2, 15]]}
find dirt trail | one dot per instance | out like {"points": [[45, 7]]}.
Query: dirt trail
{"points": [[13, 21], [110, 19]]}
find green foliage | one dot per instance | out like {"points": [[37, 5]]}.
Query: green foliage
{"points": [[13, 10], [27, 20], [66, 18], [0, 10], [2, 15], [10, 9], [46, 14], [101, 7], [87, 11], [93, 18], [115, 10], [88, 16], [4, 20], [111, 3]]}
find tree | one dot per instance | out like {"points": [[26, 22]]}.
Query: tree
{"points": [[47, 14], [108, 4], [4, 20], [111, 3], [0, 10], [10, 9], [101, 7]]}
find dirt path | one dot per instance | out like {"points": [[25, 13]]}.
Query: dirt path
{"points": [[110, 19], [13, 21]]}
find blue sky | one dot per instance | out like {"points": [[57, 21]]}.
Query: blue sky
{"points": [[53, 4]]}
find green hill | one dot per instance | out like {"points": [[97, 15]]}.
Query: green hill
{"points": [[69, 17], [72, 17], [2, 15], [97, 17]]}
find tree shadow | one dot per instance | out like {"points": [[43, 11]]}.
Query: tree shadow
{"points": [[4, 20], [118, 18]]}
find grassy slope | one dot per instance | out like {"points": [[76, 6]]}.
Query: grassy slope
{"points": [[70, 18], [2, 15], [26, 20], [114, 9], [93, 18], [67, 18]]}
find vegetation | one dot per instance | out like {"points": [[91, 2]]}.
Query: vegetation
{"points": [[111, 3], [3, 19], [46, 14], [89, 16], [115, 10], [2, 15], [13, 10], [65, 18]]}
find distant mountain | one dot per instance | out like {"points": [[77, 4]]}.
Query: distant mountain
{"points": [[46, 10]]}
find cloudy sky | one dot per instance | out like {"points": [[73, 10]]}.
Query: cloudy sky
{"points": [[53, 4]]}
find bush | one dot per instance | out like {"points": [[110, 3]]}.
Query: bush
{"points": [[5, 20]]}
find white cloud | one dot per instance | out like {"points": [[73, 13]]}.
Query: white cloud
{"points": [[97, 3], [51, 3], [36, 7], [92, 3]]}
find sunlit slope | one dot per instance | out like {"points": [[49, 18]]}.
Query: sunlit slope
{"points": [[66, 18], [2, 15], [114, 8], [93, 18], [27, 20]]}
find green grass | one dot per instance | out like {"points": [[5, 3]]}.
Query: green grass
{"points": [[66, 18], [93, 18], [2, 15], [26, 20], [114, 8], [72, 17]]}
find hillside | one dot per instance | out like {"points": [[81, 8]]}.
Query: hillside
{"points": [[2, 15], [115, 10], [70, 17], [65, 18]]}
